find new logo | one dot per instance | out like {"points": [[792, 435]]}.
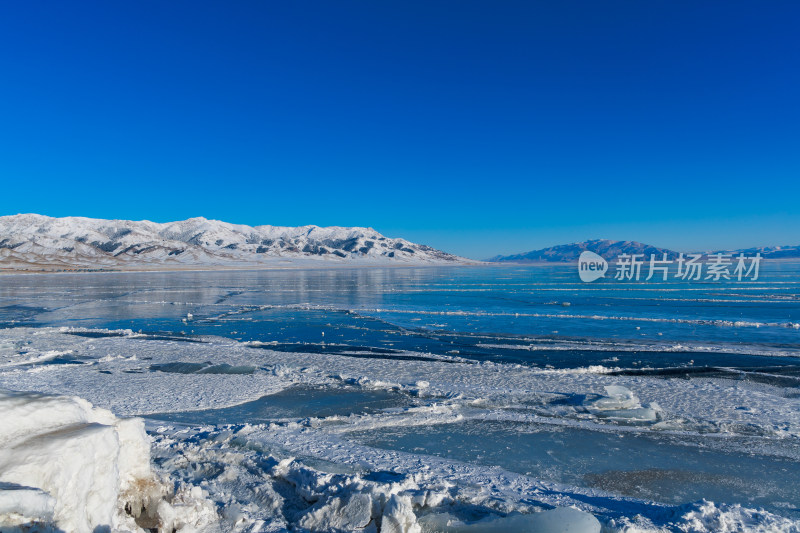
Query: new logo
{"points": [[591, 266]]}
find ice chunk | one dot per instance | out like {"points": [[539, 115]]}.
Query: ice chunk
{"points": [[558, 520], [68, 464], [399, 517], [621, 404], [189, 511], [618, 397], [341, 514]]}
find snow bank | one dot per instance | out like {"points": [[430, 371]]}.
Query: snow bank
{"points": [[68, 465]]}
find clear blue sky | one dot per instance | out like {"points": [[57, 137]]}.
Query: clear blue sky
{"points": [[476, 127]]}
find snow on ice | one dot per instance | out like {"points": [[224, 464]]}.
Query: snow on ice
{"points": [[71, 465]]}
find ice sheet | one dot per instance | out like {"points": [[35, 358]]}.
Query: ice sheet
{"points": [[713, 416]]}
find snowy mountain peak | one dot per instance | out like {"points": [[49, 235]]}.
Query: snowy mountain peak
{"points": [[38, 242], [570, 252]]}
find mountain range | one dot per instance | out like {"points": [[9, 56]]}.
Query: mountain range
{"points": [[39, 243], [608, 249], [36, 242]]}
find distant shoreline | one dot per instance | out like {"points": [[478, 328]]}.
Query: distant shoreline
{"points": [[9, 272], [645, 261], [484, 264]]}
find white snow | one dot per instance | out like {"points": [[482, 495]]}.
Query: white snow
{"points": [[308, 472], [709, 406], [708, 516], [20, 504], [69, 465]]}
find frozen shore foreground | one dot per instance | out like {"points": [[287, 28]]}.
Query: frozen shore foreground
{"points": [[229, 448], [66, 466]]}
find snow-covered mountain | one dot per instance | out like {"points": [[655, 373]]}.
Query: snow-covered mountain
{"points": [[36, 242], [569, 253], [768, 252], [566, 253]]}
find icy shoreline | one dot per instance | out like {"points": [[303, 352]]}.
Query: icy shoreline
{"points": [[278, 265], [68, 466], [292, 470]]}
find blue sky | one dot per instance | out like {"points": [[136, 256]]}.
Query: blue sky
{"points": [[476, 127]]}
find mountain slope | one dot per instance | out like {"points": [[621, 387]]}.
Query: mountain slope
{"points": [[769, 252], [569, 252], [36, 242]]}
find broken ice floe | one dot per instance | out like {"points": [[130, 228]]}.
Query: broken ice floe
{"points": [[620, 403]]}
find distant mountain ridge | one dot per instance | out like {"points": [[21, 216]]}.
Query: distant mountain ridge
{"points": [[566, 253], [769, 252], [37, 242], [608, 249]]}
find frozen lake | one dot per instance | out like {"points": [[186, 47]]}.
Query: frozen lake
{"points": [[460, 376]]}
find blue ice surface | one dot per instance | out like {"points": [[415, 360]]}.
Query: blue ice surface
{"points": [[514, 314], [531, 315], [663, 468], [295, 403]]}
